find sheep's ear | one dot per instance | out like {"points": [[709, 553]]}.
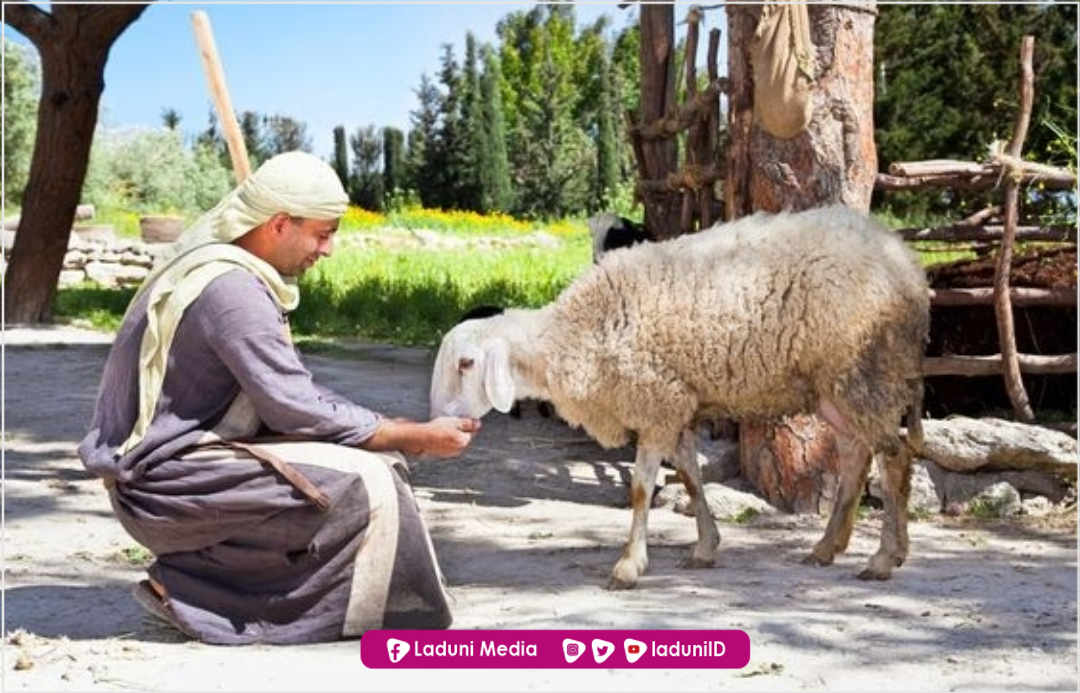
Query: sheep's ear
{"points": [[498, 381]]}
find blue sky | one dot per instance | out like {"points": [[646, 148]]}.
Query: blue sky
{"points": [[350, 64]]}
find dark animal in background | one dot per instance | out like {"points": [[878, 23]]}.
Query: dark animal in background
{"points": [[610, 231]]}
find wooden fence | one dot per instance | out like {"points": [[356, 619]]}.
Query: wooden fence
{"points": [[1009, 172]]}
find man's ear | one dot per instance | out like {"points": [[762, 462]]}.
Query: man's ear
{"points": [[498, 380], [280, 222]]}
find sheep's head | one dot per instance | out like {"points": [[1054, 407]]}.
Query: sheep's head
{"points": [[472, 373]]}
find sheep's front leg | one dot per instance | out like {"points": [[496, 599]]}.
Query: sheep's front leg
{"points": [[686, 464], [635, 557]]}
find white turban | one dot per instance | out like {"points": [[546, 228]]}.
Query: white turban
{"points": [[295, 183]]}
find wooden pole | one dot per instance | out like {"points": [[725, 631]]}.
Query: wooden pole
{"points": [[215, 75], [1014, 383]]}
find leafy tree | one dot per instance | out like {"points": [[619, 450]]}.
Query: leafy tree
{"points": [[947, 76], [393, 161], [472, 151], [171, 118], [268, 135], [73, 42], [366, 186], [251, 129], [151, 171], [607, 147], [212, 140], [420, 173], [341, 155], [496, 192], [285, 134], [551, 154], [446, 156], [22, 82]]}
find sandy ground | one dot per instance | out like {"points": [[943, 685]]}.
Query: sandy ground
{"points": [[527, 527]]}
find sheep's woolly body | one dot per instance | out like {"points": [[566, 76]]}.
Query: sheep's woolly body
{"points": [[755, 319], [821, 311]]}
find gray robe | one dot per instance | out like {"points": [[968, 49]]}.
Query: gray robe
{"points": [[244, 554]]}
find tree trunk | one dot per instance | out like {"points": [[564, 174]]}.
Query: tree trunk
{"points": [[659, 155], [74, 46], [792, 462]]}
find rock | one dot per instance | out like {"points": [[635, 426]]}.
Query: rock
{"points": [[103, 234], [961, 487], [999, 500], [925, 496], [726, 503], [964, 445], [112, 274]]}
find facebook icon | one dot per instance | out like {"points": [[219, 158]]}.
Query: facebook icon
{"points": [[396, 649]]}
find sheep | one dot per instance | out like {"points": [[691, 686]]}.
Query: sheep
{"points": [[822, 311], [544, 409]]}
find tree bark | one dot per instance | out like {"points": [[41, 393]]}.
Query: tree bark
{"points": [[660, 154], [793, 462], [73, 42]]}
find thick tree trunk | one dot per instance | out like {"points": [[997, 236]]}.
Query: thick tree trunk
{"points": [[74, 45], [792, 462], [659, 155]]}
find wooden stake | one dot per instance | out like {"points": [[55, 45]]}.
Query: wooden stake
{"points": [[215, 75]]}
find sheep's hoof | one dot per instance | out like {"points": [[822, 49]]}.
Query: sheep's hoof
{"points": [[880, 567], [695, 563], [617, 583], [871, 574], [817, 561]]}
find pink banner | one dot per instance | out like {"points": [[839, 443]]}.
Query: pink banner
{"points": [[555, 649]]}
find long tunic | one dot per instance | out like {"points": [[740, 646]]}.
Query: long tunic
{"points": [[243, 554]]}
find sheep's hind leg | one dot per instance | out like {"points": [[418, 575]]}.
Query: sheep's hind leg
{"points": [[855, 460], [896, 489], [635, 558], [686, 465]]}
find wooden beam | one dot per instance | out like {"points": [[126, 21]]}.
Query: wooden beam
{"points": [[1020, 297], [971, 366]]}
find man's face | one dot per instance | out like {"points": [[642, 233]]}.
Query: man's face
{"points": [[302, 243]]}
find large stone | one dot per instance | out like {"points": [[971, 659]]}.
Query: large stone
{"points": [[925, 496], [964, 445]]}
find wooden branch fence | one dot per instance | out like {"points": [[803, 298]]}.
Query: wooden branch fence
{"points": [[1008, 171], [691, 187]]}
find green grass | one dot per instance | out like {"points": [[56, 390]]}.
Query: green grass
{"points": [[407, 295], [413, 296], [92, 305]]}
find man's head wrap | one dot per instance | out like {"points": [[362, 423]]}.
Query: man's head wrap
{"points": [[295, 183]]}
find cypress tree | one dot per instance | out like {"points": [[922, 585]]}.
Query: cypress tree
{"points": [[497, 191], [393, 163], [341, 156], [607, 147]]}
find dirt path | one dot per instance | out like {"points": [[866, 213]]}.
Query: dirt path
{"points": [[527, 528]]}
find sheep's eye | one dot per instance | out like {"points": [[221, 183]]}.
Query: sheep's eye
{"points": [[464, 364]]}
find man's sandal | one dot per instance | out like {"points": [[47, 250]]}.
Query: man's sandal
{"points": [[151, 596]]}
